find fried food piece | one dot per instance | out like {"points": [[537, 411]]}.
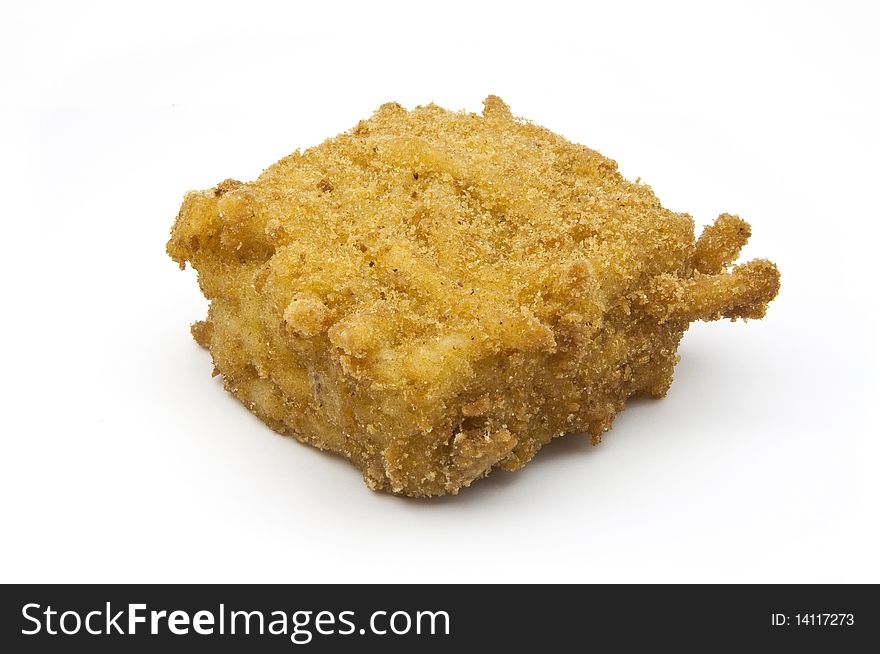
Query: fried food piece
{"points": [[435, 294]]}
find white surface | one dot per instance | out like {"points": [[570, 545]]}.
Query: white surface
{"points": [[122, 460]]}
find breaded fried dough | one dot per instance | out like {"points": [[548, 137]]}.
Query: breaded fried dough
{"points": [[436, 294]]}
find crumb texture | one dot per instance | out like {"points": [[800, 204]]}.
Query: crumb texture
{"points": [[434, 294]]}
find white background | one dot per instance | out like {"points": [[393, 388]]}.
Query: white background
{"points": [[122, 460]]}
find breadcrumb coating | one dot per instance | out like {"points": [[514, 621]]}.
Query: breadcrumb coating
{"points": [[435, 294]]}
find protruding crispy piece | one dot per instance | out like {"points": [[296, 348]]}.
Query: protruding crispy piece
{"points": [[201, 332], [436, 294], [743, 292], [710, 292], [720, 243]]}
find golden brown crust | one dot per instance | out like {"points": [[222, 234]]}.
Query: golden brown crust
{"points": [[434, 294], [744, 292], [201, 332], [720, 243]]}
